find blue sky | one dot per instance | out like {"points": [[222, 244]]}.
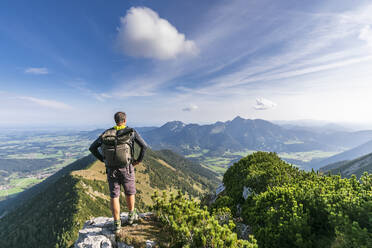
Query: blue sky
{"points": [[75, 63]]}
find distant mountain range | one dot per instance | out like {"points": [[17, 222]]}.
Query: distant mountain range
{"points": [[327, 128], [348, 155], [346, 168], [241, 134], [93, 134], [56, 209]]}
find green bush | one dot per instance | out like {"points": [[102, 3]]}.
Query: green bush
{"points": [[192, 226], [293, 208], [258, 171]]}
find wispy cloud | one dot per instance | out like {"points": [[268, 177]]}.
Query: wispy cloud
{"points": [[142, 33], [82, 86], [320, 42], [366, 34], [190, 108], [102, 96], [264, 104], [37, 70], [46, 103]]}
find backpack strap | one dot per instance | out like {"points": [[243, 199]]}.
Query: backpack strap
{"points": [[115, 145], [124, 131]]}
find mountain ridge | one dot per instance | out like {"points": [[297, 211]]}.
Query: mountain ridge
{"points": [[254, 134], [52, 216], [348, 155], [347, 168]]}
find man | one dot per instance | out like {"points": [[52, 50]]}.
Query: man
{"points": [[117, 145]]}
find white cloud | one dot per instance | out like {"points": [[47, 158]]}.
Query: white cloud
{"points": [[46, 103], [264, 104], [319, 46], [102, 96], [37, 70], [142, 33], [190, 108], [82, 86], [366, 34]]}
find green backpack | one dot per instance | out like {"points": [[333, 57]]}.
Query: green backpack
{"points": [[117, 147]]}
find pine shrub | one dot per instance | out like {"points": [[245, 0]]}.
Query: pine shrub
{"points": [[190, 225], [292, 208]]}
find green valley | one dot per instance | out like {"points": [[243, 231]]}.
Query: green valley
{"points": [[27, 158]]}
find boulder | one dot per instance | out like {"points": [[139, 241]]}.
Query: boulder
{"points": [[97, 233]]}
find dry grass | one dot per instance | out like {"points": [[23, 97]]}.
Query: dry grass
{"points": [[97, 171], [143, 184], [94, 194], [198, 187], [146, 229], [162, 162]]}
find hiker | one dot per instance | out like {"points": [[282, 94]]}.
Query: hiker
{"points": [[117, 144]]}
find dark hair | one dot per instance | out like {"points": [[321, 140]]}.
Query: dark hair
{"points": [[120, 117]]}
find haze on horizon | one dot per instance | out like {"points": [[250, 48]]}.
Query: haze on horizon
{"points": [[76, 63]]}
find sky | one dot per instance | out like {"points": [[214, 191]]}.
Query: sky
{"points": [[75, 63]]}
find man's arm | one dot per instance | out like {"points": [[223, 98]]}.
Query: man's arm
{"points": [[142, 144], [94, 148]]}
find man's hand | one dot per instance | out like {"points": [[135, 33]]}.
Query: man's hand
{"points": [[135, 163]]}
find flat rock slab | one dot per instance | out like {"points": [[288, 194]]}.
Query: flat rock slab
{"points": [[97, 233]]}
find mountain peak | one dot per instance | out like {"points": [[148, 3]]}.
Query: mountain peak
{"points": [[174, 125], [238, 118]]}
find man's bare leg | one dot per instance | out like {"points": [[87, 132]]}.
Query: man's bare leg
{"points": [[115, 208], [133, 216], [130, 202]]}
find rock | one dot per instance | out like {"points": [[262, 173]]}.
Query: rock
{"points": [[243, 231], [220, 189], [123, 245], [246, 192], [150, 244], [97, 233], [238, 209]]}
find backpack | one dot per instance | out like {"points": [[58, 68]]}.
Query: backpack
{"points": [[117, 147]]}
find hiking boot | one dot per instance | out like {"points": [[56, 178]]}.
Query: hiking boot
{"points": [[117, 226], [132, 216]]}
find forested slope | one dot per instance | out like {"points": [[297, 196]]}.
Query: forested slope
{"points": [[287, 207], [53, 216], [347, 168]]}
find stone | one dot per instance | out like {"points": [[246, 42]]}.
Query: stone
{"points": [[150, 244], [243, 231], [93, 240], [97, 233], [246, 192], [124, 245]]}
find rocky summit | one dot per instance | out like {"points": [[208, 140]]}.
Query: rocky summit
{"points": [[97, 233]]}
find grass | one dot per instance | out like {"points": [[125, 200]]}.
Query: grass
{"points": [[23, 182], [147, 229], [240, 153], [219, 164], [18, 185], [307, 156], [217, 168], [8, 192], [194, 155]]}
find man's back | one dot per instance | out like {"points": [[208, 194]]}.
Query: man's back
{"points": [[117, 144], [134, 137]]}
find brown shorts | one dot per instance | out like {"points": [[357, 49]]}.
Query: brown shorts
{"points": [[121, 176]]}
